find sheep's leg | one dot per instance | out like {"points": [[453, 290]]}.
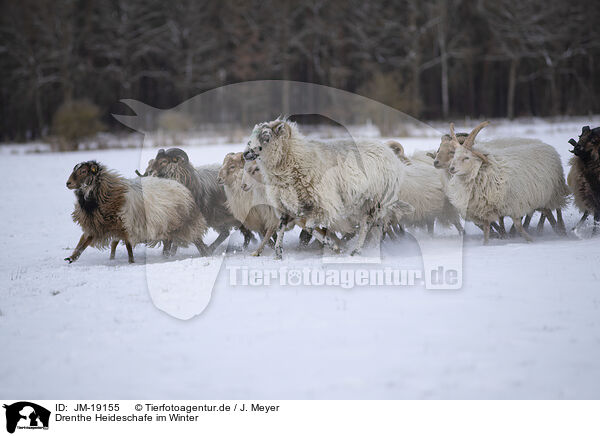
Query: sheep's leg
{"points": [[496, 227], [526, 221], [540, 226], [430, 224], [486, 232], [519, 226], [167, 243], [491, 230], [550, 218], [266, 238], [501, 228], [348, 236], [113, 248], [582, 220], [280, 231], [389, 232], [222, 236], [173, 251], [596, 223], [562, 230], [202, 248], [459, 227], [362, 234], [327, 239], [83, 243], [399, 230], [305, 237], [129, 251], [248, 236]]}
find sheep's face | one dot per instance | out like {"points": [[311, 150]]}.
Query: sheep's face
{"points": [[588, 146], [167, 163], [267, 138], [83, 174], [252, 176], [445, 152], [233, 165], [465, 162]]}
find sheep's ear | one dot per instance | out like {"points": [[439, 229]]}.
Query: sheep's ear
{"points": [[585, 129], [282, 129], [430, 154], [160, 152]]}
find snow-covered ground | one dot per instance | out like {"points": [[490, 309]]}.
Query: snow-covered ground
{"points": [[526, 323]]}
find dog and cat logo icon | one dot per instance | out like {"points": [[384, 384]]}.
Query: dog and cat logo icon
{"points": [[26, 415]]}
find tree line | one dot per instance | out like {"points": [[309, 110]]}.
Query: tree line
{"points": [[430, 59]]}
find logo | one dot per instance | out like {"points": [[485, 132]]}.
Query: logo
{"points": [[26, 415]]}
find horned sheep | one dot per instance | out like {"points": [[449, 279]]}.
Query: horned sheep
{"points": [[514, 181]]}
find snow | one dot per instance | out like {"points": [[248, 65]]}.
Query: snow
{"points": [[525, 324]]}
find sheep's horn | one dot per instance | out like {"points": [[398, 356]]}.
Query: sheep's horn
{"points": [[160, 152], [573, 142], [470, 141], [430, 154], [481, 156], [452, 134], [140, 174], [585, 129]]}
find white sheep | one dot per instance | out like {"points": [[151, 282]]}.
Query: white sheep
{"points": [[246, 204], [445, 154], [514, 181], [339, 185], [149, 210], [423, 188]]}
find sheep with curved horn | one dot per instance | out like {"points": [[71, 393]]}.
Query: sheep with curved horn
{"points": [[514, 181]]}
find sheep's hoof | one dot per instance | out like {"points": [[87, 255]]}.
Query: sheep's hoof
{"points": [[255, 254], [68, 259], [131, 261], [355, 252]]}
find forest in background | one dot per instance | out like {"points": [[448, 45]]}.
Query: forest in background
{"points": [[430, 59]]}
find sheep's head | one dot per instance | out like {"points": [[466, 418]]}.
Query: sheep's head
{"points": [[588, 146], [466, 160], [83, 174], [267, 137], [252, 176], [445, 153], [232, 166], [167, 163]]}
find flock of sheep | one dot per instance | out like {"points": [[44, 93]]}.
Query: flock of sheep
{"points": [[344, 193]]}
